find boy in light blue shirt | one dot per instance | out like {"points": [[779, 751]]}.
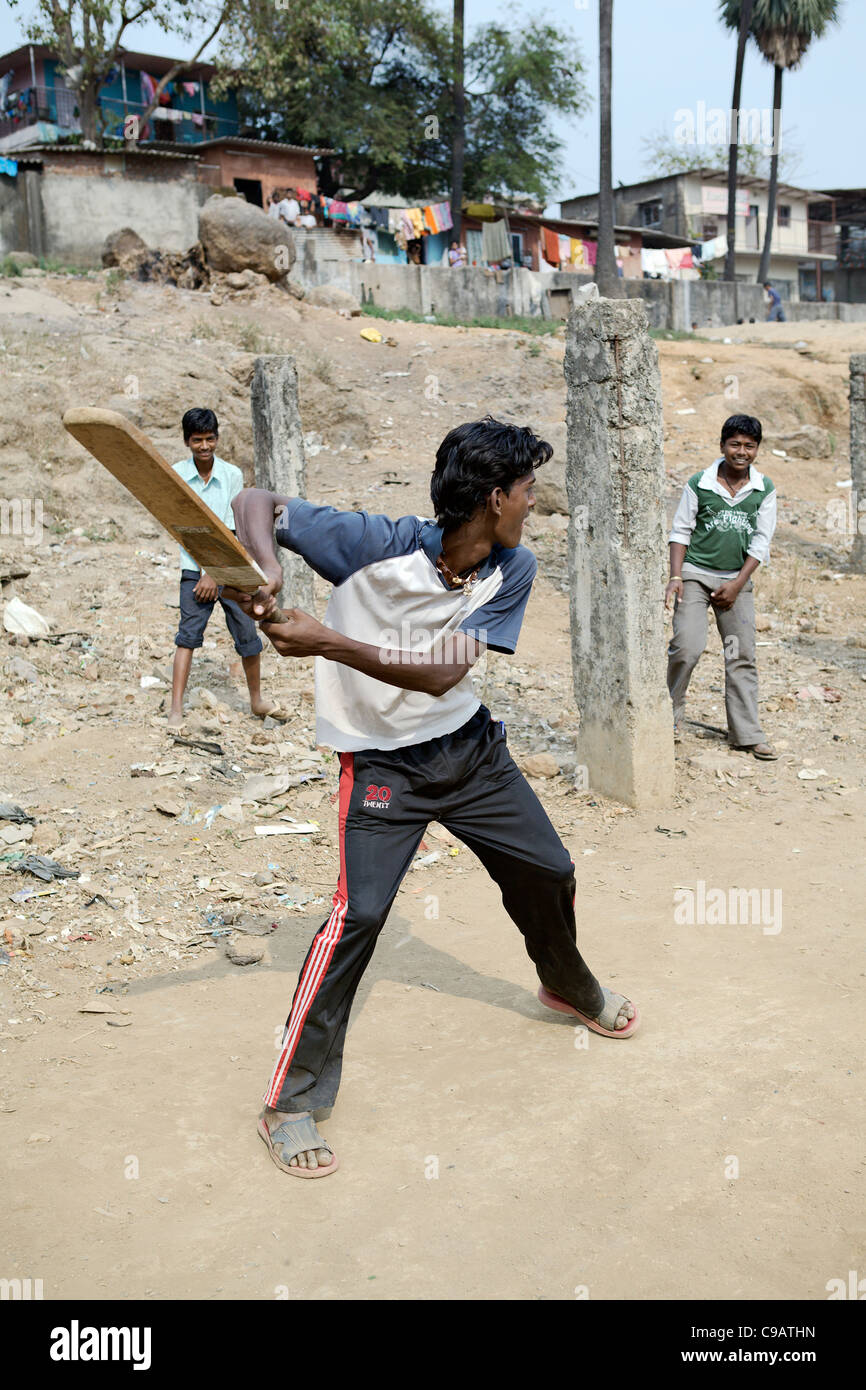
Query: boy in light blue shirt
{"points": [[216, 483]]}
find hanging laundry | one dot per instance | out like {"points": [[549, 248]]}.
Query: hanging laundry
{"points": [[714, 248], [496, 242], [564, 248], [378, 217], [191, 89], [303, 195], [590, 251], [578, 256], [654, 262], [338, 211], [416, 218], [550, 246], [443, 216], [8, 166], [148, 87], [197, 118], [395, 220], [353, 217]]}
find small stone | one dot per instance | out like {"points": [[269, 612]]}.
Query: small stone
{"points": [[763, 624], [263, 877], [39, 1139], [246, 951], [541, 765]]}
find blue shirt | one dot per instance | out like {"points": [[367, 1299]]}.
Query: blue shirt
{"points": [[225, 482], [388, 593]]}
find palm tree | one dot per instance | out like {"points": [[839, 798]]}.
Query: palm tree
{"points": [[734, 146], [783, 30], [459, 140], [606, 278]]}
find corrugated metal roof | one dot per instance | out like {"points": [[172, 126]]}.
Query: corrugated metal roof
{"points": [[250, 144], [126, 152]]}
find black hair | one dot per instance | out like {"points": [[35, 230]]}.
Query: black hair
{"points": [[742, 424], [475, 458], [199, 420], [767, 284]]}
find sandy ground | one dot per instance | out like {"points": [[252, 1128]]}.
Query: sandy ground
{"points": [[488, 1150]]}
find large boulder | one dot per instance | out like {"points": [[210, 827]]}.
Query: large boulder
{"points": [[123, 248], [236, 235], [805, 442]]}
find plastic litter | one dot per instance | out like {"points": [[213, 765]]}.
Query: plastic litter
{"points": [[25, 621], [43, 868]]}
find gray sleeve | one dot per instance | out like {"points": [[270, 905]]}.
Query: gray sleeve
{"points": [[337, 544]]}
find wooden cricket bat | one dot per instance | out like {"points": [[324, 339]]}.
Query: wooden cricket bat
{"points": [[133, 460]]}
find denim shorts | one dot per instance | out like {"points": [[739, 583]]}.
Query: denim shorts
{"points": [[194, 617]]}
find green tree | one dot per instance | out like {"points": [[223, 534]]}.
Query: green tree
{"points": [[783, 31], [665, 155], [88, 36], [374, 80]]}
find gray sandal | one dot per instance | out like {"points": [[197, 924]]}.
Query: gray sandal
{"points": [[295, 1137]]}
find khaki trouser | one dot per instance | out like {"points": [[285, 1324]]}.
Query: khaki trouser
{"points": [[737, 630]]}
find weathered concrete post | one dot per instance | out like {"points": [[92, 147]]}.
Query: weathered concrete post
{"points": [[280, 464], [616, 482], [857, 396]]}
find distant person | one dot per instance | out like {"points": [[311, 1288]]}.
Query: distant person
{"points": [[775, 313], [274, 203], [307, 217], [456, 255], [290, 208], [720, 535], [217, 484]]}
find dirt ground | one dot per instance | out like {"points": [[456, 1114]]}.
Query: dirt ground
{"points": [[716, 1155]]}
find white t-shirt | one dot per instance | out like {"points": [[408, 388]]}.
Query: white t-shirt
{"points": [[289, 209], [388, 593]]}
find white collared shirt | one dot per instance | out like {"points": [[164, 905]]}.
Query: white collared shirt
{"points": [[765, 520]]}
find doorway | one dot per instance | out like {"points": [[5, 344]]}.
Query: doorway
{"points": [[251, 189]]}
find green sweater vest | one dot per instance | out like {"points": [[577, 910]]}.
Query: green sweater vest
{"points": [[723, 530]]}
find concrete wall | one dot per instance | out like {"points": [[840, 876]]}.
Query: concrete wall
{"points": [[78, 212]]}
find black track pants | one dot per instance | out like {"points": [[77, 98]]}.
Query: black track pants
{"points": [[469, 782]]}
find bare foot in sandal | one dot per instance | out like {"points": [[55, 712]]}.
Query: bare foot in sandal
{"points": [[308, 1158], [618, 1016]]}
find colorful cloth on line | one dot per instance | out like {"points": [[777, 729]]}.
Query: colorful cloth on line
{"points": [[8, 166], [578, 255], [148, 87], [496, 242], [416, 219], [564, 248], [191, 89], [550, 245], [679, 257], [590, 251], [438, 217]]}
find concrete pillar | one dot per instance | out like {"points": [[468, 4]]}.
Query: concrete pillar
{"points": [[280, 464], [616, 486], [857, 397]]}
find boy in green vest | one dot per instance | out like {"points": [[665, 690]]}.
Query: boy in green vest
{"points": [[721, 532]]}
